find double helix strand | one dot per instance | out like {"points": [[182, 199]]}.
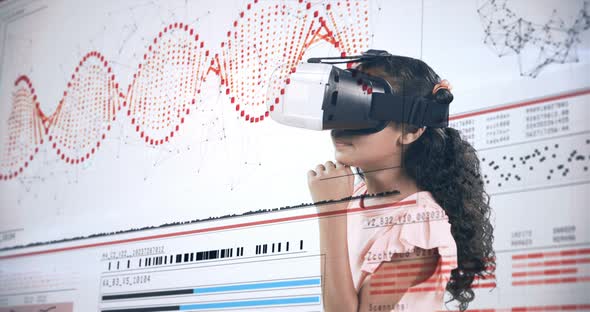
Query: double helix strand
{"points": [[261, 51]]}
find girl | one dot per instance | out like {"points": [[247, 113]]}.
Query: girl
{"points": [[401, 252]]}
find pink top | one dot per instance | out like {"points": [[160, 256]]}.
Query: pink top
{"points": [[377, 232]]}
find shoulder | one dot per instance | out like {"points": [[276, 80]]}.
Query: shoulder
{"points": [[429, 226], [426, 200]]}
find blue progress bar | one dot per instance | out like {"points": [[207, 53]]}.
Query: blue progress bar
{"points": [[249, 303], [263, 285]]}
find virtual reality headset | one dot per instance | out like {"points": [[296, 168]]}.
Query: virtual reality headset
{"points": [[321, 96]]}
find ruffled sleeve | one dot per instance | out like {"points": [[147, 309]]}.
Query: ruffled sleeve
{"points": [[427, 228]]}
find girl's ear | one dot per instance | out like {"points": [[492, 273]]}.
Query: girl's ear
{"points": [[409, 137]]}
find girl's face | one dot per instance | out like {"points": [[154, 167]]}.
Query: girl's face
{"points": [[369, 151], [374, 151]]}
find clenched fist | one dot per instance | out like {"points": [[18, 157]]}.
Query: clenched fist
{"points": [[330, 181]]}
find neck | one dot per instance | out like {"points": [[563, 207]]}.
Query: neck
{"points": [[388, 180]]}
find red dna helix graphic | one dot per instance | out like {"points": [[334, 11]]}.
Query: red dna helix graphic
{"points": [[265, 43]]}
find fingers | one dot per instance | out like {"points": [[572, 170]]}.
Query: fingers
{"points": [[320, 168], [330, 181], [311, 174], [346, 168], [329, 168]]}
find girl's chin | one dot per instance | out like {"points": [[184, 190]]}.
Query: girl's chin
{"points": [[344, 158]]}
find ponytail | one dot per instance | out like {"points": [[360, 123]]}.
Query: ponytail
{"points": [[447, 166]]}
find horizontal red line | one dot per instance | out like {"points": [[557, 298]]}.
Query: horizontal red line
{"points": [[522, 104], [408, 266], [430, 281], [404, 290], [431, 277], [204, 230], [421, 289], [563, 253], [418, 273], [452, 264], [552, 263], [563, 280], [484, 285], [478, 310], [406, 274], [566, 307], [433, 280], [425, 289], [382, 284], [545, 272]]}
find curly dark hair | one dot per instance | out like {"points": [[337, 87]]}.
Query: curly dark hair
{"points": [[443, 163]]}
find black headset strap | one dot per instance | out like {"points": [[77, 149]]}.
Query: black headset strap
{"points": [[418, 111], [368, 55]]}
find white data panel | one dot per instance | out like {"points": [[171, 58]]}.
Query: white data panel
{"points": [[141, 171]]}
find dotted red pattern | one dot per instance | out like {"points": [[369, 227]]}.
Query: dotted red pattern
{"points": [[25, 130], [85, 112], [262, 49]]}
